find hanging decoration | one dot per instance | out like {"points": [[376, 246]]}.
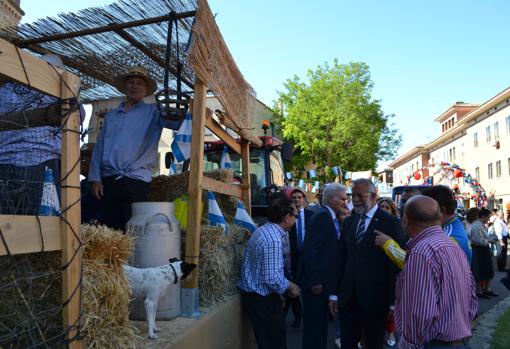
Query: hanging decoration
{"points": [[450, 171]]}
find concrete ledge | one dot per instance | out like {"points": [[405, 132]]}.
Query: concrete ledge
{"points": [[222, 327]]}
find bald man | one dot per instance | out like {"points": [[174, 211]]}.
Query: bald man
{"points": [[436, 294]]}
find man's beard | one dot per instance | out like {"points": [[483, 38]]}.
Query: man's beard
{"points": [[360, 209]]}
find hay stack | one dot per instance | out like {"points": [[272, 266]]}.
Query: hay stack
{"points": [[106, 292], [31, 301], [220, 262], [169, 188]]}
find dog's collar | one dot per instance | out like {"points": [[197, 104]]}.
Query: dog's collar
{"points": [[175, 273]]}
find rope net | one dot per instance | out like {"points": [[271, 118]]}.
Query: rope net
{"points": [[31, 301]]}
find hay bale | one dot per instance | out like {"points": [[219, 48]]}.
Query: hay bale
{"points": [[106, 245], [31, 301], [220, 262], [169, 188], [106, 291]]}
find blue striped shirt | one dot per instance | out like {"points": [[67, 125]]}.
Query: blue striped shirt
{"points": [[262, 270], [127, 145]]}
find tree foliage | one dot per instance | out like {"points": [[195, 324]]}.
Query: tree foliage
{"points": [[333, 120]]}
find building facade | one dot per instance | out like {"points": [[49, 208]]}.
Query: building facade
{"points": [[475, 138], [10, 13]]}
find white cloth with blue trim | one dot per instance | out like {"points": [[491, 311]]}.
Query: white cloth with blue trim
{"points": [[181, 145], [225, 159], [215, 216], [243, 219]]}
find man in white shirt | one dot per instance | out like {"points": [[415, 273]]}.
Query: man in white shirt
{"points": [[501, 230]]}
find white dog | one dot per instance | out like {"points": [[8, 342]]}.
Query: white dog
{"points": [[151, 283]]}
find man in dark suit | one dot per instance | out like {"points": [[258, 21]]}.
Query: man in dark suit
{"points": [[366, 284], [296, 237], [317, 277]]}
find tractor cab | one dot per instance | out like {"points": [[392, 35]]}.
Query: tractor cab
{"points": [[266, 168]]}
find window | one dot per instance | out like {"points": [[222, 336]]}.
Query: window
{"points": [[498, 168], [508, 124], [462, 150], [488, 134], [489, 171], [453, 153], [477, 172], [475, 139], [496, 131]]}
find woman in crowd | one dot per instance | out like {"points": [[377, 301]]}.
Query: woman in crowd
{"points": [[471, 216], [388, 205], [481, 265]]}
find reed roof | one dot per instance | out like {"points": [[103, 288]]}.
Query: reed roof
{"points": [[99, 43]]}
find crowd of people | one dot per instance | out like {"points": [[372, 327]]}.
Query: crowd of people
{"points": [[408, 276]]}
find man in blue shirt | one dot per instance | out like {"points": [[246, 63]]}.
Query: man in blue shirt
{"points": [[127, 149], [262, 282], [449, 221]]}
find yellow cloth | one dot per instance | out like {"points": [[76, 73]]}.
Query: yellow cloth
{"points": [[395, 253]]}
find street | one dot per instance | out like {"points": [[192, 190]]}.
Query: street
{"points": [[294, 336]]}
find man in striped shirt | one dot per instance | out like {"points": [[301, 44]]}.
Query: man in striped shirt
{"points": [[262, 282], [436, 295]]}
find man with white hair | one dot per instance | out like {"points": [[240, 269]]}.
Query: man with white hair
{"points": [[366, 277], [318, 279]]}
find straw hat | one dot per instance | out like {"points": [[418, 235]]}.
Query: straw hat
{"points": [[140, 72]]}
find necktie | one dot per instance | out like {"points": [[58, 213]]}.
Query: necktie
{"points": [[337, 227], [360, 232], [299, 227]]}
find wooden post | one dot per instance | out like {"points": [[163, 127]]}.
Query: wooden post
{"points": [[245, 155], [195, 180], [72, 217]]}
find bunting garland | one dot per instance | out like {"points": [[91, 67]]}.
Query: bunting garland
{"points": [[447, 170]]}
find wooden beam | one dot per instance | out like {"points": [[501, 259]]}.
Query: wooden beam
{"points": [[23, 234], [221, 187], [245, 158], [25, 68], [216, 128], [103, 29], [195, 181], [70, 225]]}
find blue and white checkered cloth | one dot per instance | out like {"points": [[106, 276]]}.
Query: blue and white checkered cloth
{"points": [[262, 270]]}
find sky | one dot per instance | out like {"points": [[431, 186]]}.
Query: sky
{"points": [[423, 55]]}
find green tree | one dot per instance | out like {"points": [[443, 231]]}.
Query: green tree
{"points": [[333, 120]]}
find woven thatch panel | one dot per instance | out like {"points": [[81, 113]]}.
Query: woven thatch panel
{"points": [[98, 58], [212, 62]]}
